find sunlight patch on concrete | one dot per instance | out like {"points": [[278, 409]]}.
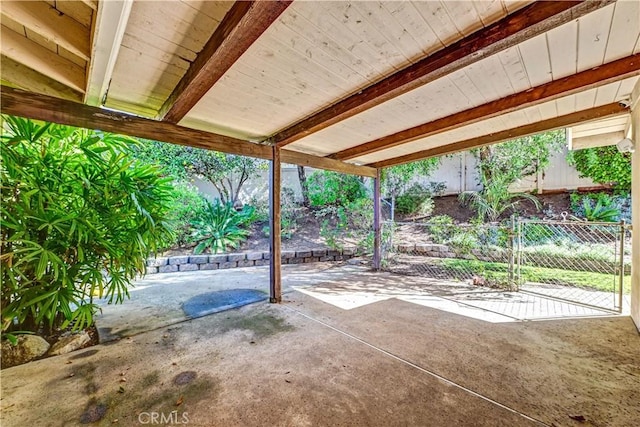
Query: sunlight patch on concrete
{"points": [[343, 300], [458, 308]]}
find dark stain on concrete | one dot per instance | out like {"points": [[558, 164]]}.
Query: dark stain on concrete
{"points": [[166, 398], [150, 379], [93, 412], [86, 372], [185, 377], [83, 354], [262, 325]]}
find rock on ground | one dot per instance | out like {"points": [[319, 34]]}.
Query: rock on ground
{"points": [[70, 343], [28, 348]]}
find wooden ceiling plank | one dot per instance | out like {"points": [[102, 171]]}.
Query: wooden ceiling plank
{"points": [[78, 10], [521, 25], [42, 107], [93, 4], [572, 119], [585, 80], [241, 27], [17, 75], [46, 21], [41, 59]]}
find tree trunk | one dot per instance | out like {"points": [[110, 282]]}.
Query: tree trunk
{"points": [[484, 157], [302, 176]]}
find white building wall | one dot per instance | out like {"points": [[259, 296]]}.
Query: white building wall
{"points": [[258, 187], [458, 171]]}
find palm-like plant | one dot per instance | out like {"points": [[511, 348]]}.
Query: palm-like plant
{"points": [[494, 200], [221, 227], [599, 211], [78, 219]]}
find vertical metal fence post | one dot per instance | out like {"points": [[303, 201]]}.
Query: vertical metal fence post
{"points": [[519, 253], [621, 278], [377, 232], [512, 251]]}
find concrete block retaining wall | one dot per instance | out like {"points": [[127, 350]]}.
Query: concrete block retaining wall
{"points": [[237, 260]]}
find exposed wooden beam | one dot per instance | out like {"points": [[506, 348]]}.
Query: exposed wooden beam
{"points": [[608, 73], [110, 24], [42, 107], [19, 76], [521, 25], [275, 262], [34, 56], [240, 28], [47, 22], [302, 159], [567, 120]]}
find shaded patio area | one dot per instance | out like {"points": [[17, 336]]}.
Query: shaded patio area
{"points": [[386, 360]]}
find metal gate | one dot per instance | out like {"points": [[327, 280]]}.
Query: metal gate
{"points": [[586, 263]]}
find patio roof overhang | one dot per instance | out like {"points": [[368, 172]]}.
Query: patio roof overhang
{"points": [[339, 84], [348, 86]]}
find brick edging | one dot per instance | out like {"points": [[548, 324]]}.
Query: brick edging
{"points": [[247, 259]]}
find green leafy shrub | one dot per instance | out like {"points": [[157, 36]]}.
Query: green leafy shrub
{"points": [[261, 209], [187, 205], [495, 200], [441, 228], [604, 165], [463, 241], [79, 219], [575, 203], [415, 200], [328, 188], [290, 212], [599, 211], [221, 226], [538, 234], [353, 222], [600, 207], [620, 202], [437, 188], [493, 236]]}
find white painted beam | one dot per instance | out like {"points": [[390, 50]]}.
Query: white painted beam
{"points": [[592, 141], [109, 28], [635, 207]]}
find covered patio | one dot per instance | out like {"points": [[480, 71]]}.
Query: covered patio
{"points": [[353, 87], [345, 346]]}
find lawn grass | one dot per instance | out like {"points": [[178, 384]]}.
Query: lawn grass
{"points": [[500, 272]]}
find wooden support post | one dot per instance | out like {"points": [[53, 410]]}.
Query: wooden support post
{"points": [[377, 214], [275, 276]]}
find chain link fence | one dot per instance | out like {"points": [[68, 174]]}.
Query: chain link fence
{"points": [[583, 262], [481, 253]]}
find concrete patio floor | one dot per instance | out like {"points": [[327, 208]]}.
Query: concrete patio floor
{"points": [[379, 360]]}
